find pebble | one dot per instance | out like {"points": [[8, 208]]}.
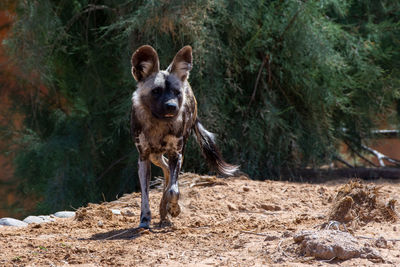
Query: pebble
{"points": [[65, 214], [381, 242], [128, 212], [116, 212], [12, 222], [232, 206], [245, 189], [271, 237], [34, 219], [270, 207], [242, 208]]}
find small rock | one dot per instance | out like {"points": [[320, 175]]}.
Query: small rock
{"points": [[270, 207], [394, 228], [65, 214], [12, 222], [245, 188], [232, 206], [128, 213], [34, 219], [321, 190], [116, 212], [242, 208], [237, 246], [286, 234], [100, 223], [381, 242], [271, 237]]}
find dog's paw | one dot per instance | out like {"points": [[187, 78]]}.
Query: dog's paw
{"points": [[145, 219], [174, 209], [144, 225], [165, 223]]}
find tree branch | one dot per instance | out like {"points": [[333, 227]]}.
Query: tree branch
{"points": [[343, 161], [359, 155], [280, 39], [386, 133], [381, 156], [253, 95]]}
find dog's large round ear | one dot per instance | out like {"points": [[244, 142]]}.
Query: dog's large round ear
{"points": [[144, 62], [182, 63]]}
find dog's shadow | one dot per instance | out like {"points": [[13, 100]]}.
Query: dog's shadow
{"points": [[131, 233]]}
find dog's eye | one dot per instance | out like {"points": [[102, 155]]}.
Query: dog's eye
{"points": [[156, 91], [177, 92]]}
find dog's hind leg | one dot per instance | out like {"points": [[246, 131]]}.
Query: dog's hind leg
{"points": [[144, 178], [169, 202], [160, 161]]}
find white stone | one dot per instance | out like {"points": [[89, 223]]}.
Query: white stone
{"points": [[116, 212], [65, 214], [34, 219], [12, 222]]}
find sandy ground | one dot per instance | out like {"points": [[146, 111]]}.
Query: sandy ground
{"points": [[225, 222]]}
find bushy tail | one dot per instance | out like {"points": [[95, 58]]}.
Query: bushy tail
{"points": [[211, 152]]}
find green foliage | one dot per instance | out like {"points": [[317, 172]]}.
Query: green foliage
{"points": [[278, 81]]}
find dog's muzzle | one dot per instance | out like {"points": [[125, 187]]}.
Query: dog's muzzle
{"points": [[171, 109]]}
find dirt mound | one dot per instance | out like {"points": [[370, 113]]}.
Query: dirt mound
{"points": [[358, 203], [224, 222]]}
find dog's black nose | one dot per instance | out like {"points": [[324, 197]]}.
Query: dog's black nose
{"points": [[170, 107]]}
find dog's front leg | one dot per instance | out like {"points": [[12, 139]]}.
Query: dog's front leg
{"points": [[144, 178], [169, 202]]}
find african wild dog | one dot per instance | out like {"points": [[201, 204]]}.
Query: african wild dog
{"points": [[164, 113]]}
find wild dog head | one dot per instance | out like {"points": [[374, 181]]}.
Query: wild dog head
{"points": [[161, 92]]}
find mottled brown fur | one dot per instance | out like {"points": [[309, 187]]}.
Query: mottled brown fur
{"points": [[164, 113]]}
